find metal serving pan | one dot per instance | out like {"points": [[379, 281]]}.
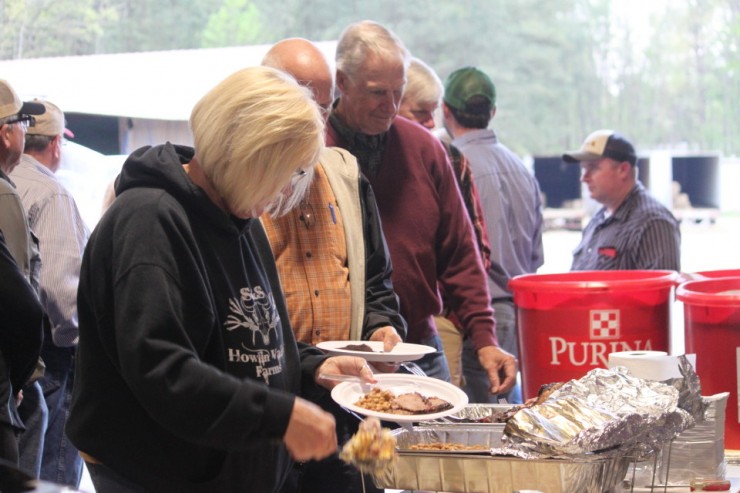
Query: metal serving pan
{"points": [[473, 414], [480, 472]]}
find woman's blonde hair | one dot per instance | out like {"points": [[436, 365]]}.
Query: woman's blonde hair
{"points": [[253, 132]]}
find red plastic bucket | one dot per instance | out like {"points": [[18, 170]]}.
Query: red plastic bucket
{"points": [[716, 274], [712, 331], [569, 323]]}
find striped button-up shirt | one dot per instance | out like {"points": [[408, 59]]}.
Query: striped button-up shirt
{"points": [[54, 217], [642, 234]]}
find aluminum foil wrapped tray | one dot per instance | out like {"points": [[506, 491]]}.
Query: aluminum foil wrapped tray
{"points": [[481, 472], [606, 411], [581, 437]]}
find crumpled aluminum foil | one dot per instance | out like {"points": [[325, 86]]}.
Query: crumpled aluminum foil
{"points": [[689, 389], [609, 412]]}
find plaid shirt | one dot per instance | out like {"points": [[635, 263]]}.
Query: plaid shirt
{"points": [[464, 177], [311, 255]]}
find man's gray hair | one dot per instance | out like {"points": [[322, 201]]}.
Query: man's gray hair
{"points": [[361, 39]]}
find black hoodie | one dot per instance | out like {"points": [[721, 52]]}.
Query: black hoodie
{"points": [[187, 365]]}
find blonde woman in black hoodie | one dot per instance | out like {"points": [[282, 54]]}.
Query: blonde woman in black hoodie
{"points": [[188, 375]]}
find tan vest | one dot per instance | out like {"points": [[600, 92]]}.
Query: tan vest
{"points": [[343, 173]]}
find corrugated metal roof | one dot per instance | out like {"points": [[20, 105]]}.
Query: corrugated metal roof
{"points": [[162, 85]]}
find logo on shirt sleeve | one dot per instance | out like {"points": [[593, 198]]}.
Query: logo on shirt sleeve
{"points": [[610, 252]]}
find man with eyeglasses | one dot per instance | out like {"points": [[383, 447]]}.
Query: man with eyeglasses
{"points": [[15, 118], [54, 217], [632, 230], [333, 262]]}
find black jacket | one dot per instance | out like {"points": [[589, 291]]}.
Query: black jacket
{"points": [[187, 367], [21, 316]]}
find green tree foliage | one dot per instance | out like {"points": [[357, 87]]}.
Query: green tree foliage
{"points": [[536, 51], [151, 25], [561, 68], [681, 91], [237, 22], [45, 28]]}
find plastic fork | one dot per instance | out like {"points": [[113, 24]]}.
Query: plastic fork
{"points": [[344, 378], [413, 368]]}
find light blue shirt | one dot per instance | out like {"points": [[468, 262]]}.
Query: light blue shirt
{"points": [[512, 208]]}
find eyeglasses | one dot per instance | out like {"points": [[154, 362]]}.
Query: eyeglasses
{"points": [[306, 216], [297, 177], [25, 121]]}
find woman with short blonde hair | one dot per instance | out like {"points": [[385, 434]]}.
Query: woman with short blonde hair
{"points": [[188, 374], [249, 128]]}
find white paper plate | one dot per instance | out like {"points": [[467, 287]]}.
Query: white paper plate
{"points": [[403, 351], [347, 393]]}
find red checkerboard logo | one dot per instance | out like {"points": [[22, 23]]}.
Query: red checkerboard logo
{"points": [[604, 324]]}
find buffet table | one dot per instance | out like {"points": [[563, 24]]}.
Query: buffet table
{"points": [[606, 432]]}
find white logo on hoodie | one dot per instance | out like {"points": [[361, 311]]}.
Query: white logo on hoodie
{"points": [[256, 312]]}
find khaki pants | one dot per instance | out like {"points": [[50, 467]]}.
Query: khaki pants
{"points": [[452, 342]]}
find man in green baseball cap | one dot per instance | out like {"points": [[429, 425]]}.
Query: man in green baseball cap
{"points": [[511, 204], [470, 91]]}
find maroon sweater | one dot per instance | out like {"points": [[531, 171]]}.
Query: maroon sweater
{"points": [[429, 234]]}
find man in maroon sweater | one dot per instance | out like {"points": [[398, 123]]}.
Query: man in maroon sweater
{"points": [[429, 234]]}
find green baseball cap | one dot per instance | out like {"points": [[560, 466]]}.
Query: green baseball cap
{"points": [[465, 83]]}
